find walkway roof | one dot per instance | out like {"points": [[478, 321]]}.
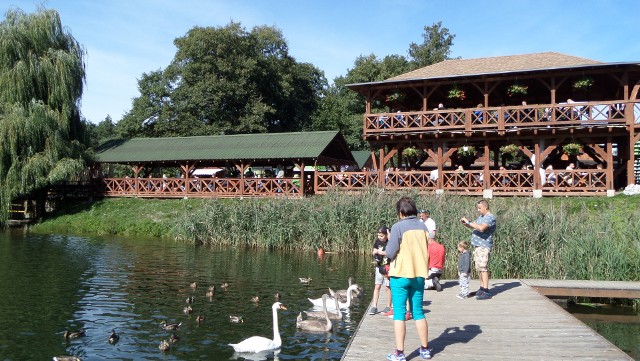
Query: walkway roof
{"points": [[325, 148]]}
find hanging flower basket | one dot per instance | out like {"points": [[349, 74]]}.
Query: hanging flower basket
{"points": [[467, 151], [510, 149], [456, 93], [583, 84], [572, 149], [410, 152], [394, 97], [516, 89]]}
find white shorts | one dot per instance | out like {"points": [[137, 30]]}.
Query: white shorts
{"points": [[381, 279]]}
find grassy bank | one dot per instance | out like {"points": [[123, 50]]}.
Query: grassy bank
{"points": [[573, 238]]}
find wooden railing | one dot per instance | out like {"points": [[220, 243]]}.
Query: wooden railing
{"points": [[501, 182], [197, 187], [345, 180], [503, 118]]}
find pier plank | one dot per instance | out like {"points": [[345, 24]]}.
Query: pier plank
{"points": [[517, 323]]}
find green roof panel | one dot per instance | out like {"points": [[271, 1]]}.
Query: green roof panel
{"points": [[304, 145]]}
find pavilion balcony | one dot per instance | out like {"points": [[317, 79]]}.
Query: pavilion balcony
{"points": [[501, 119], [580, 182]]}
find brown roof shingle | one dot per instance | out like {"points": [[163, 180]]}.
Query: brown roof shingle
{"points": [[498, 64]]}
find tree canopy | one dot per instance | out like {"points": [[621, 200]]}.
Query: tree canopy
{"points": [[341, 108], [226, 80], [42, 74]]}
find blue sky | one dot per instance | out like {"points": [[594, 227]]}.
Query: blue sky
{"points": [[126, 38]]}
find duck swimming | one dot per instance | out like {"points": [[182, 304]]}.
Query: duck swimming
{"points": [[236, 319], [258, 343], [305, 280], [174, 338], [69, 335], [164, 346], [170, 326], [113, 338]]}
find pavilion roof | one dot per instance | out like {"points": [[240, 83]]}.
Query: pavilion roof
{"points": [[498, 64], [513, 65], [326, 146]]}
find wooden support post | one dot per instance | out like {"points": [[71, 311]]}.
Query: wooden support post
{"points": [[609, 164]]}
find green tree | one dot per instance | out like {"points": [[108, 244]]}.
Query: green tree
{"points": [[226, 80], [101, 132], [342, 109], [42, 73], [436, 46]]}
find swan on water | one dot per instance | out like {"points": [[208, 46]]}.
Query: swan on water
{"points": [[259, 343], [320, 314], [342, 294], [318, 301], [318, 325]]}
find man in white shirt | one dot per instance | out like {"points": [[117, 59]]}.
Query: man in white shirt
{"points": [[425, 217]]}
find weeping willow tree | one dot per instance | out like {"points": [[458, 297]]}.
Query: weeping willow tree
{"points": [[42, 73]]}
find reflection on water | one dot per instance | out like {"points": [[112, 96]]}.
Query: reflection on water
{"points": [[619, 325], [54, 283]]}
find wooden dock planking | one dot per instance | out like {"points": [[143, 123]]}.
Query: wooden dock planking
{"points": [[585, 288], [517, 323]]}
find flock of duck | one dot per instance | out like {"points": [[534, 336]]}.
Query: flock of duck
{"points": [[315, 321]]}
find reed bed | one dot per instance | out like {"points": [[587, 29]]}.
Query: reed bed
{"points": [[536, 238], [555, 238]]}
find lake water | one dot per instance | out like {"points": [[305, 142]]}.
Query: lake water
{"points": [[52, 283]]}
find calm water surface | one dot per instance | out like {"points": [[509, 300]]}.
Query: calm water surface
{"points": [[51, 283]]}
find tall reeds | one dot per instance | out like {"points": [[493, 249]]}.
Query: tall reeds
{"points": [[558, 239]]}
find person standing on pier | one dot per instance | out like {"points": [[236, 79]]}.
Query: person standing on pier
{"points": [[407, 251], [482, 239], [379, 256], [464, 269]]}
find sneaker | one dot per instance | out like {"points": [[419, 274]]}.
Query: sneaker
{"points": [[388, 313], [408, 316], [373, 311], [396, 357], [483, 295], [436, 283], [386, 309], [425, 353], [461, 296]]}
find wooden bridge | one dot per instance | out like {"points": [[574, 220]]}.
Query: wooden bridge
{"points": [[517, 323]]}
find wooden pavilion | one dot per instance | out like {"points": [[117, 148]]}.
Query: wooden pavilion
{"points": [[283, 158], [497, 126]]}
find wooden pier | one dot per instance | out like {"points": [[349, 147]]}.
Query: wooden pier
{"points": [[585, 288], [518, 323]]}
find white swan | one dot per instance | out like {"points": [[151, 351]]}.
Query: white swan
{"points": [[318, 325], [320, 314], [318, 301], [342, 294], [259, 343]]}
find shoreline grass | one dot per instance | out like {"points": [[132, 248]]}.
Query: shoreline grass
{"points": [[555, 238]]}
